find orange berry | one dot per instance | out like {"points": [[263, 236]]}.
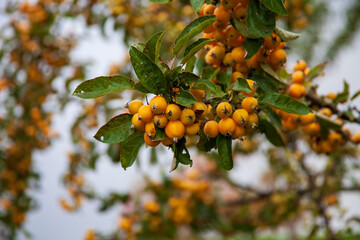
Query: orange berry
{"points": [[253, 121], [235, 42], [229, 3], [296, 90], [240, 12], [272, 42], [238, 54], [167, 142], [199, 106], [253, 86], [331, 95], [239, 132], [253, 62], [249, 104], [211, 129], [298, 77], [222, 14], [240, 116], [173, 112], [335, 138], [235, 76], [134, 106], [325, 112], [145, 113], [158, 104], [224, 109], [217, 52], [209, 9], [356, 137], [227, 126], [187, 117], [242, 67], [300, 66], [175, 130], [192, 129], [232, 33], [277, 57], [311, 128], [160, 120], [227, 60], [150, 142], [308, 118], [288, 124], [220, 36], [138, 124], [202, 12], [219, 25], [150, 129], [198, 94]]}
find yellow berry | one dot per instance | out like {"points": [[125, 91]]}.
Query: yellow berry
{"points": [[198, 107], [224, 109], [240, 116], [253, 121], [145, 113], [150, 142], [187, 117], [211, 129], [175, 130], [239, 132], [227, 126], [173, 112], [249, 104], [158, 104], [150, 129], [134, 106], [160, 121], [192, 129], [138, 124]]}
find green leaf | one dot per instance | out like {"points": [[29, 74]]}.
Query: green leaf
{"points": [[327, 122], [355, 95], [209, 73], [193, 48], [101, 86], [225, 151], [197, 4], [241, 85], [190, 65], [152, 47], [185, 98], [153, 156], [205, 85], [160, 1], [189, 78], [138, 86], [271, 133], [172, 75], [252, 46], [266, 67], [160, 134], [224, 78], [205, 144], [140, 46], [273, 117], [286, 36], [284, 103], [116, 130], [149, 74], [265, 84], [344, 95], [181, 154], [242, 28], [260, 21], [275, 6], [191, 30], [316, 71], [129, 149]]}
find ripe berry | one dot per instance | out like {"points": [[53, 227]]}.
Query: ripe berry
{"points": [[227, 60], [187, 117], [222, 14], [356, 137], [198, 107], [298, 77], [167, 141], [296, 90], [238, 54], [240, 12], [150, 129], [240, 116], [252, 63], [211, 129], [335, 138], [300, 66], [288, 124], [239, 132], [198, 94], [253, 121], [158, 104], [325, 112], [145, 113], [272, 42], [232, 33], [138, 124], [311, 128], [209, 9], [224, 109], [134, 106], [277, 57], [253, 85], [217, 52], [219, 25], [173, 112], [249, 104], [235, 76], [242, 67], [175, 130], [160, 121], [192, 129], [150, 142], [229, 3], [331, 95], [308, 118], [227, 126]]}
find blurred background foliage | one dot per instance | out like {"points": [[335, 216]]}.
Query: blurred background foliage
{"points": [[37, 73]]}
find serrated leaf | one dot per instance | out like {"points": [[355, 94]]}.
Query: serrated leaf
{"points": [[193, 48], [191, 30], [129, 149], [190, 65], [242, 28], [152, 47], [224, 145], [205, 144], [271, 133], [209, 73], [259, 21], [241, 85], [138, 86], [140, 46], [206, 85], [185, 98], [273, 117], [101, 86], [285, 35], [149, 74], [160, 134], [265, 84], [284, 103], [266, 67], [116, 130], [189, 78], [224, 78], [172, 75], [344, 95], [275, 6], [327, 123], [197, 4], [252, 46]]}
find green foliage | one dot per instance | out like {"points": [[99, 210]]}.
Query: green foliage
{"points": [[241, 85], [101, 86], [252, 46], [260, 21], [276, 6], [284, 103], [129, 149], [185, 98], [271, 132], [286, 36], [224, 145], [116, 130], [152, 47], [193, 48], [197, 4]]}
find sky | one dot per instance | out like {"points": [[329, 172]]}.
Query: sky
{"points": [[50, 222]]}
